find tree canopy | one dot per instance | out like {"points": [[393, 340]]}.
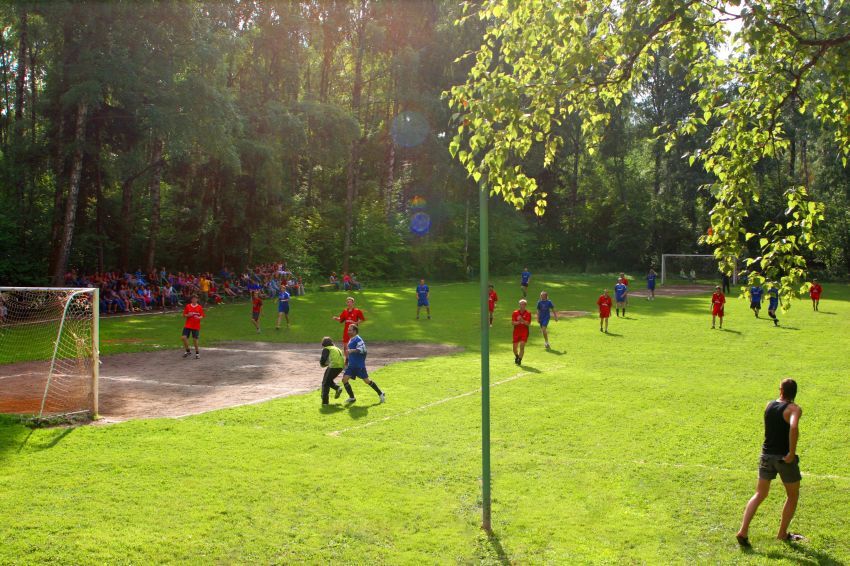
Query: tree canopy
{"points": [[543, 65]]}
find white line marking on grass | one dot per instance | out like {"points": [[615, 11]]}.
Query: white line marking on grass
{"points": [[428, 405]]}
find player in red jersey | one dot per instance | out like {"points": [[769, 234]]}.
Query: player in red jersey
{"points": [[814, 292], [193, 313], [348, 317], [521, 320], [492, 299], [718, 302], [604, 302], [256, 309]]}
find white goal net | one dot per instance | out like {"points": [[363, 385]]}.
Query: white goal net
{"points": [[692, 269], [48, 351]]}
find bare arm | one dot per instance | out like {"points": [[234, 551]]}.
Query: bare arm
{"points": [[793, 432]]}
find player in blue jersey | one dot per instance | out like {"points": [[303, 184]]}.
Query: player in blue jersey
{"points": [[650, 284], [756, 293], [282, 307], [773, 303], [621, 295], [357, 364], [545, 309], [525, 278], [422, 293]]}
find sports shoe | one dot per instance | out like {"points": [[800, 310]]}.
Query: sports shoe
{"points": [[258, 331], [350, 400], [775, 322], [547, 345], [338, 393], [383, 398], [187, 354], [197, 356]]}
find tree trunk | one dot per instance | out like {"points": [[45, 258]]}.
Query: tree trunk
{"points": [[64, 244], [156, 176], [126, 223], [21, 70], [356, 93], [98, 223], [389, 162]]}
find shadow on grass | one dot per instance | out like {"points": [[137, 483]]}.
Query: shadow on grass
{"points": [[788, 327], [331, 409], [555, 352], [357, 412], [730, 331], [529, 369], [826, 312], [497, 548], [802, 555], [613, 334]]}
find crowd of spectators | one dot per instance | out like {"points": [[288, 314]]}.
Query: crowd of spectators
{"points": [[164, 289], [348, 281]]}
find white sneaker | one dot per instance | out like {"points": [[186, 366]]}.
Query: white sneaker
{"points": [[197, 356], [258, 331], [383, 398], [350, 400], [547, 345]]}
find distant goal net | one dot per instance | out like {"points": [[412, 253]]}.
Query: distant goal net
{"points": [[49, 351], [692, 269]]}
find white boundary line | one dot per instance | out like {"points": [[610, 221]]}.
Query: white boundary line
{"points": [[427, 406]]}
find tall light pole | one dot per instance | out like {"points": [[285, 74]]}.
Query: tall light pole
{"points": [[484, 260]]}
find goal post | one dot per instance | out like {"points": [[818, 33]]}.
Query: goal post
{"points": [[49, 351], [691, 268]]}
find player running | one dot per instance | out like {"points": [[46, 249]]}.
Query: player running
{"points": [[650, 284], [256, 309], [521, 320], [525, 278], [422, 294], [492, 299], [282, 307], [333, 362], [814, 292], [778, 456], [756, 294], [773, 303], [604, 304], [348, 317], [621, 293], [718, 302], [357, 365], [193, 313], [545, 308]]}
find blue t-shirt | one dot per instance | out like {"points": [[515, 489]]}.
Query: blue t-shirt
{"points": [[526, 275], [650, 279], [773, 296], [283, 296], [422, 292], [756, 294], [356, 352], [545, 309], [620, 292]]}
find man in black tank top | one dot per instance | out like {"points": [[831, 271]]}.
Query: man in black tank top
{"points": [[778, 456]]}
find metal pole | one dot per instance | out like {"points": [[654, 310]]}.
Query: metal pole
{"points": [[95, 350], [484, 259]]}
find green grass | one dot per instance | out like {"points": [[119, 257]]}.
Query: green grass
{"points": [[640, 447]]}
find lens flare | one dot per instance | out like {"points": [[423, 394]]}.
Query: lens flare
{"points": [[420, 224], [409, 129]]}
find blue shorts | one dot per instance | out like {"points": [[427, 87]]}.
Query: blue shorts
{"points": [[422, 303], [191, 332], [755, 304], [283, 307], [773, 305], [544, 321], [651, 285], [621, 299], [356, 372]]}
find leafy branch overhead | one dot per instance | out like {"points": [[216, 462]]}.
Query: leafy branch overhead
{"points": [[542, 63]]}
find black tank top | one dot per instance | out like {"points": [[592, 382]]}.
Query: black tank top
{"points": [[775, 429]]}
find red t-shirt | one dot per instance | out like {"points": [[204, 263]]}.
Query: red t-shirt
{"points": [[492, 301], [717, 302], [624, 281], [604, 303], [349, 317], [815, 291], [521, 330], [256, 304], [193, 314]]}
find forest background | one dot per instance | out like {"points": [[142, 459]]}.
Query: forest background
{"points": [[198, 136]]}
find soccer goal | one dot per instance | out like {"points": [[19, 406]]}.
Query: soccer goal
{"points": [[49, 351], [692, 269]]}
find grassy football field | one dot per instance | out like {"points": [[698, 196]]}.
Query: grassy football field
{"points": [[636, 447]]}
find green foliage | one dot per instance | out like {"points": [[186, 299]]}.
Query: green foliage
{"points": [[542, 63]]}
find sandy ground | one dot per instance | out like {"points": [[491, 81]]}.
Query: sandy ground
{"points": [[673, 291], [163, 384]]}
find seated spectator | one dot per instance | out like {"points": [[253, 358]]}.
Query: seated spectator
{"points": [[355, 284], [334, 281]]}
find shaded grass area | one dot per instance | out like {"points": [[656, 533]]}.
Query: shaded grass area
{"points": [[636, 448]]}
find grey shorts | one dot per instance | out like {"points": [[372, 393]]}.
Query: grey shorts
{"points": [[770, 465]]}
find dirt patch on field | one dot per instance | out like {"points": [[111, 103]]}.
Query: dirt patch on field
{"points": [[571, 314], [163, 384], [674, 291]]}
